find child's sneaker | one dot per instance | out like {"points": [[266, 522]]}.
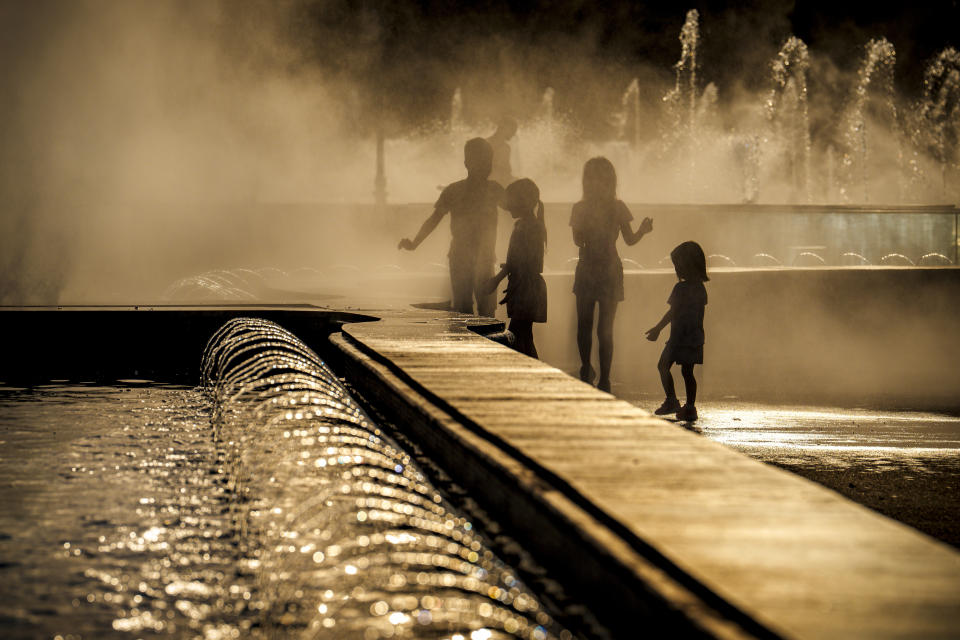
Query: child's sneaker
{"points": [[670, 405], [687, 413]]}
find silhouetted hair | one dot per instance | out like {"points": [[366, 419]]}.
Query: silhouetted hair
{"points": [[525, 195], [478, 155], [689, 261], [599, 179]]}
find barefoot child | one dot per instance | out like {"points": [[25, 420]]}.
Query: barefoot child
{"points": [[685, 317], [526, 295], [597, 221], [472, 205]]}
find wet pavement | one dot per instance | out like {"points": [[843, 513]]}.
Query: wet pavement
{"points": [[903, 464]]}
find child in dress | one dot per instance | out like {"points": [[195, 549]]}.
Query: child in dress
{"points": [[685, 317], [597, 221], [526, 295]]}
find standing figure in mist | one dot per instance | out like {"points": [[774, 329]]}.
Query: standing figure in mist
{"points": [[685, 317], [526, 295], [499, 141], [472, 205], [597, 220]]}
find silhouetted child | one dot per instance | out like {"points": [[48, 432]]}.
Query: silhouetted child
{"points": [[472, 204], [597, 221], [685, 317], [526, 296]]}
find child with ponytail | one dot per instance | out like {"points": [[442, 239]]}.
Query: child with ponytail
{"points": [[597, 221], [526, 295]]}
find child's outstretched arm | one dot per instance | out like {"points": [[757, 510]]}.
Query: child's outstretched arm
{"points": [[654, 333], [632, 238], [425, 230]]}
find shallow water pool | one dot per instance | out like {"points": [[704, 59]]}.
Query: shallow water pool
{"points": [[127, 514]]}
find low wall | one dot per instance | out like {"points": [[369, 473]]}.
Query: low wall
{"points": [[132, 253], [740, 232]]}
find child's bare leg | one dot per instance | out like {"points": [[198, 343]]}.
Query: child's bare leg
{"points": [[608, 311], [585, 336], [666, 378], [690, 382]]}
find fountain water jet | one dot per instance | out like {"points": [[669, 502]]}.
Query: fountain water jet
{"points": [[456, 113], [628, 119], [357, 533], [763, 149], [876, 72], [940, 111], [546, 107], [788, 112], [681, 101]]}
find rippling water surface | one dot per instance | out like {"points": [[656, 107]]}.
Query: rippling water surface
{"points": [[150, 510]]}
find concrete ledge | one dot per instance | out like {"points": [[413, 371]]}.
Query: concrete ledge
{"points": [[622, 587], [661, 528]]}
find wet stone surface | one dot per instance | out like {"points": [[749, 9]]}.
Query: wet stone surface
{"points": [[145, 511], [903, 464]]}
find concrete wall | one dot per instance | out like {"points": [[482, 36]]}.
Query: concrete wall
{"points": [[741, 231], [130, 254]]}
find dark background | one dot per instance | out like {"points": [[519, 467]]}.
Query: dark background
{"points": [[399, 61], [414, 54]]}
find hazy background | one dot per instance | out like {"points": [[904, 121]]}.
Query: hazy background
{"points": [[145, 141]]}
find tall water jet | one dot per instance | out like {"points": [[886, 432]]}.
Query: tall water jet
{"points": [[874, 76], [788, 113], [456, 112], [940, 111], [380, 178], [546, 107], [681, 101], [628, 119]]}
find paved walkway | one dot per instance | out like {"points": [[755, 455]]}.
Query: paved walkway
{"points": [[799, 559]]}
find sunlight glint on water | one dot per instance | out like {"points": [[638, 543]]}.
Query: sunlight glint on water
{"points": [[286, 513]]}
